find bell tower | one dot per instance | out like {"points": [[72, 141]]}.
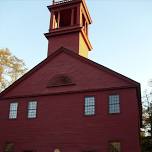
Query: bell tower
{"points": [[69, 26]]}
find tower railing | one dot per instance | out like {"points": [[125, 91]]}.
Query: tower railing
{"points": [[55, 2]]}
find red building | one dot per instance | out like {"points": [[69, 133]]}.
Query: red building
{"points": [[68, 103]]}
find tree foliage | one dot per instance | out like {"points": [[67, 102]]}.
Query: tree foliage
{"points": [[11, 68], [147, 113], [146, 144], [147, 122]]}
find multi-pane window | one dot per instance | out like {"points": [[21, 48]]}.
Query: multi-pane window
{"points": [[114, 147], [57, 150], [9, 147], [114, 104], [32, 108], [89, 151], [89, 106], [13, 110]]}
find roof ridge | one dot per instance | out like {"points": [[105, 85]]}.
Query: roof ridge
{"points": [[99, 66], [34, 69], [73, 54]]}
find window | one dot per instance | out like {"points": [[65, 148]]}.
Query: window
{"points": [[65, 18], [56, 21], [32, 107], [60, 80], [9, 147], [84, 24], [89, 151], [89, 106], [114, 104], [13, 110], [56, 150], [114, 147]]}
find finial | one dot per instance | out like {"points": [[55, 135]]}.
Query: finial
{"points": [[53, 1]]}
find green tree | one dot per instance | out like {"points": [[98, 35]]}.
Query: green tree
{"points": [[11, 68]]}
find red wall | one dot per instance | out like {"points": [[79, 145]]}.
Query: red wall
{"points": [[60, 123], [85, 76], [68, 40]]}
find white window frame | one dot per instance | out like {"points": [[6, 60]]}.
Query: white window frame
{"points": [[32, 109], [115, 146], [89, 106], [114, 104], [13, 110]]}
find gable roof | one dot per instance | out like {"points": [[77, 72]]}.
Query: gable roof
{"points": [[132, 83], [82, 59]]}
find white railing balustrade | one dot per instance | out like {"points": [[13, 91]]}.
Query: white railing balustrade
{"points": [[60, 1]]}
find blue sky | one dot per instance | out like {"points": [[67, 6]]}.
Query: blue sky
{"points": [[121, 33]]}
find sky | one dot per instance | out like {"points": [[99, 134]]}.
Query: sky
{"points": [[121, 34]]}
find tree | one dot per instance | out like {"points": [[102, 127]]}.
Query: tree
{"points": [[147, 112], [147, 122], [146, 144], [11, 68]]}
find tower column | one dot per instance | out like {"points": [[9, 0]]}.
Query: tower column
{"points": [[79, 18], [58, 20], [52, 21], [72, 17]]}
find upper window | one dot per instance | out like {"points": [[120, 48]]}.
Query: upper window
{"points": [[114, 147], [84, 24], [65, 18], [89, 106], [32, 109], [13, 110], [114, 104], [56, 21], [60, 80]]}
